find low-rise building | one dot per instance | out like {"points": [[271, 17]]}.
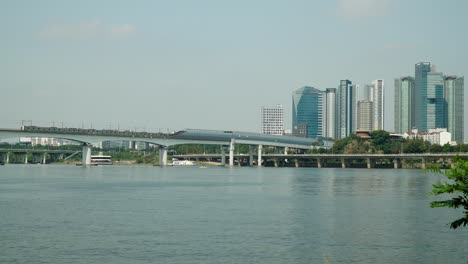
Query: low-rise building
{"points": [[434, 136]]}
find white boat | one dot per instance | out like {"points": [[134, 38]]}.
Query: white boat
{"points": [[101, 160], [176, 162]]}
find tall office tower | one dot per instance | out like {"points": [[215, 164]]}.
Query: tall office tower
{"points": [[404, 104], [272, 120], [376, 95], [429, 97], [330, 113], [354, 89], [346, 101], [307, 104], [454, 110], [365, 117]]}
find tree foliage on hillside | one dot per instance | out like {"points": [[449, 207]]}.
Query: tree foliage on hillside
{"points": [[379, 141]]}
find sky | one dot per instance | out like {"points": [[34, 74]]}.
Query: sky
{"points": [[210, 64]]}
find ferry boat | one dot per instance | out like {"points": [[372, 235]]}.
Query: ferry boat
{"points": [[176, 162], [101, 160]]}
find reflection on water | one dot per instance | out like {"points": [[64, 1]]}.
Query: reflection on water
{"points": [[118, 214]]}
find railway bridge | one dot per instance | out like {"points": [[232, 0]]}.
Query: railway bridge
{"points": [[226, 139]]}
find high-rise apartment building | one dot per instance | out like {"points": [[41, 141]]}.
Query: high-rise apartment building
{"points": [[404, 104], [346, 108], [365, 117], [272, 120], [307, 104], [454, 109], [376, 95], [429, 97], [330, 113]]}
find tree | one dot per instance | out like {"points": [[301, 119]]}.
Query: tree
{"points": [[458, 185], [415, 146], [436, 148], [379, 138]]}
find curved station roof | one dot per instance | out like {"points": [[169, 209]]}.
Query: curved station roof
{"points": [[187, 136]]}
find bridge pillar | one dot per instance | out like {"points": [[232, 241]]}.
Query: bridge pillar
{"points": [[162, 156], [343, 163], [223, 156], [396, 163], [286, 150], [370, 163], [86, 155], [44, 156], [275, 161], [259, 162], [7, 158], [423, 163], [131, 145], [296, 163], [250, 155], [26, 158], [231, 153], [319, 163]]}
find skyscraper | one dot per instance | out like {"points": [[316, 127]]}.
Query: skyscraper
{"points": [[404, 104], [454, 95], [330, 113], [307, 104], [365, 117], [376, 95], [346, 108], [429, 101], [272, 120]]}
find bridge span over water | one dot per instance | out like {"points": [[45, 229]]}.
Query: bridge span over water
{"points": [[321, 160], [90, 137]]}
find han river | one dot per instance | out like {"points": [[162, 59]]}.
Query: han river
{"points": [[132, 214]]}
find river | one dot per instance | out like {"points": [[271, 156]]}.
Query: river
{"points": [[144, 214]]}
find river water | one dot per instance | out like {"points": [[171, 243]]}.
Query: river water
{"points": [[131, 214]]}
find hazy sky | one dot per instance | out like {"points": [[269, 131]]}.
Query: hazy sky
{"points": [[209, 64]]}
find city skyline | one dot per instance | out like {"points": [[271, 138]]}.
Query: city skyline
{"points": [[173, 65]]}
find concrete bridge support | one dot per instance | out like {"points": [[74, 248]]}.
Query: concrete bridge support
{"points": [[86, 155], [370, 163], [162, 156], [296, 163], [26, 158], [423, 163], [286, 150], [223, 156], [259, 162], [343, 163], [44, 157], [276, 163], [231, 153], [319, 163], [7, 158], [396, 163], [250, 155]]}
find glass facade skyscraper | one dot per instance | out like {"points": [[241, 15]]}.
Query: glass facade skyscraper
{"points": [[454, 96], [346, 108], [307, 104], [429, 97], [404, 104]]}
